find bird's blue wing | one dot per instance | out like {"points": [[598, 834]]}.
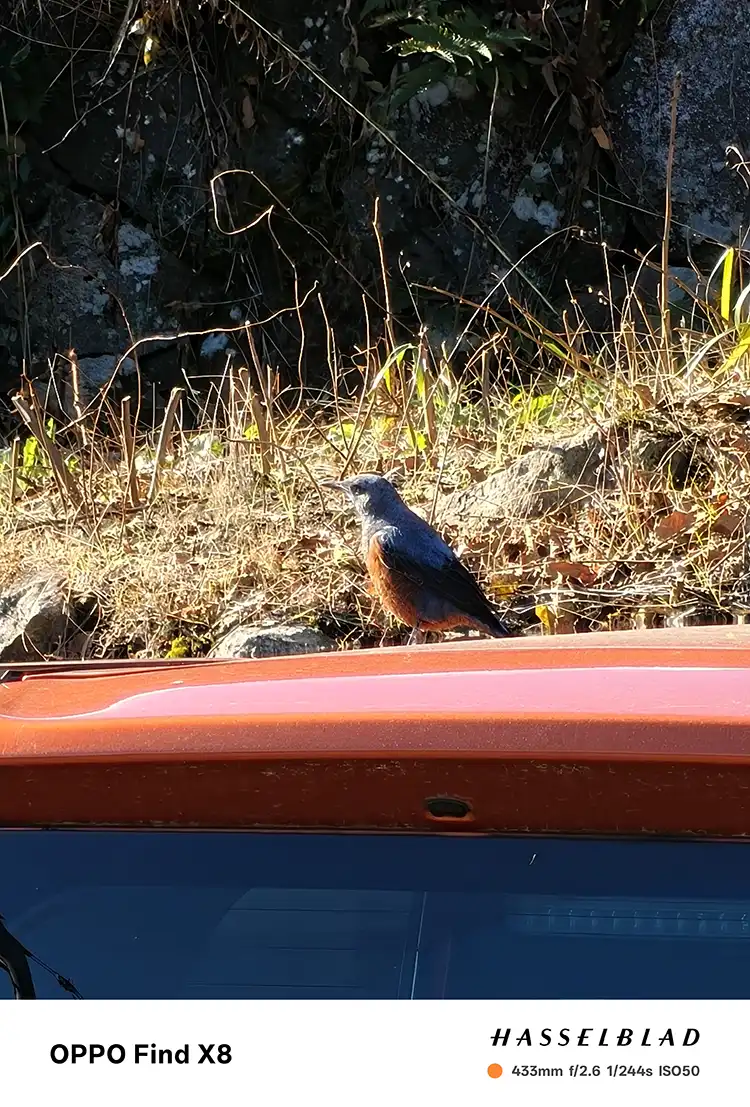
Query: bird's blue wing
{"points": [[434, 567]]}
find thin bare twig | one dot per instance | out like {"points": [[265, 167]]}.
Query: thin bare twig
{"points": [[666, 327], [163, 443], [128, 451], [15, 451], [65, 481]]}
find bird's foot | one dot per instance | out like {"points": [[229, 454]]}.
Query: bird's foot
{"points": [[416, 637]]}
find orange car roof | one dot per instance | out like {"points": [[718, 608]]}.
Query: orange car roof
{"points": [[620, 732]]}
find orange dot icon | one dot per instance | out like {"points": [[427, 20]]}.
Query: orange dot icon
{"points": [[495, 1071]]}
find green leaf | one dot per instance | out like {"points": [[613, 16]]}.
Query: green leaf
{"points": [[20, 55], [726, 284], [179, 647], [30, 454], [507, 40], [395, 357], [373, 6], [389, 18], [519, 71], [742, 347], [504, 79], [740, 305], [347, 430], [469, 25], [444, 42], [557, 350], [534, 409], [416, 440], [419, 376]]}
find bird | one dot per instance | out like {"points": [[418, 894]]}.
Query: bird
{"points": [[414, 573]]}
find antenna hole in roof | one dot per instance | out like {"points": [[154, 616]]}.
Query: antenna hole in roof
{"points": [[447, 807]]}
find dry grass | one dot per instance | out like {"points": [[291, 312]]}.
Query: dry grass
{"points": [[171, 528], [237, 515]]}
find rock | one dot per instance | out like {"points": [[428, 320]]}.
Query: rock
{"points": [[545, 214], [434, 95], [557, 479], [680, 275], [704, 40], [675, 458], [115, 181], [96, 372], [548, 479], [39, 619], [438, 242], [77, 300], [147, 135], [275, 641]]}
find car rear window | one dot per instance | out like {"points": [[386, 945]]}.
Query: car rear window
{"points": [[206, 915]]}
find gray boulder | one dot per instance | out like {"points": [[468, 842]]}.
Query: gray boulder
{"points": [[547, 479], [275, 641], [708, 42], [39, 619]]}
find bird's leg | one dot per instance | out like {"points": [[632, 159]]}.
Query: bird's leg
{"points": [[417, 635]]}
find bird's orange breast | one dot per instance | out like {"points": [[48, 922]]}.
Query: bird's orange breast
{"points": [[396, 592]]}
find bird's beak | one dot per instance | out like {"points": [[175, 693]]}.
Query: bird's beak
{"points": [[339, 485]]}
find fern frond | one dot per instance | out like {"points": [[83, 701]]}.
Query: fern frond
{"points": [[398, 15], [411, 46], [468, 25], [444, 42], [457, 37], [507, 39], [376, 5]]}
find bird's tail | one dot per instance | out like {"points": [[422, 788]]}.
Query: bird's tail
{"points": [[495, 626]]}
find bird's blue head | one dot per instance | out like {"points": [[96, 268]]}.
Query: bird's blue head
{"points": [[371, 495]]}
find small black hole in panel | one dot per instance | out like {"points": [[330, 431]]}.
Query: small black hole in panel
{"points": [[447, 807]]}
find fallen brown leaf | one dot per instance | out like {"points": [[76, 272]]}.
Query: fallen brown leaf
{"points": [[477, 475], [728, 523], [575, 570], [549, 77], [675, 523], [312, 542], [134, 142], [645, 395], [575, 115], [601, 137], [248, 113]]}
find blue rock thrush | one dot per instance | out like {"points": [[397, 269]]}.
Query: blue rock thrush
{"points": [[414, 573]]}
